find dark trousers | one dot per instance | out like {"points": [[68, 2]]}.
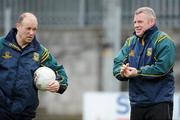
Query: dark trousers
{"points": [[6, 115], [161, 111]]}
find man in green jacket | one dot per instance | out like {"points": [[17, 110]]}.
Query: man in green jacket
{"points": [[20, 55], [146, 61]]}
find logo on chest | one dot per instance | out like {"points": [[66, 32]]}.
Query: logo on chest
{"points": [[6, 55], [131, 53], [149, 52], [36, 56]]}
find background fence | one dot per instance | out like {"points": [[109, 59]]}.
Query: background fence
{"points": [[75, 32], [85, 13]]}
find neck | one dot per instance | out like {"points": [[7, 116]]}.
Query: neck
{"points": [[20, 41]]}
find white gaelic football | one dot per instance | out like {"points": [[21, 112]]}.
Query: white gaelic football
{"points": [[43, 76]]}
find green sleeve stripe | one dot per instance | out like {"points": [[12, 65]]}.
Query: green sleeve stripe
{"points": [[155, 58], [117, 74], [62, 79], [160, 38], [153, 75], [44, 57], [63, 84], [129, 42], [44, 52]]}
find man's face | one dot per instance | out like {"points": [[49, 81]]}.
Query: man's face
{"points": [[27, 29], [142, 22]]}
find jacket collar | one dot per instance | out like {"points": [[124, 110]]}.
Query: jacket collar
{"points": [[10, 40], [148, 32]]}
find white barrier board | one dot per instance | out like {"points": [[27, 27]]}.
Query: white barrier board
{"points": [[114, 106]]}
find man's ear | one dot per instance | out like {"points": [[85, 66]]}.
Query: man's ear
{"points": [[17, 25], [152, 22]]}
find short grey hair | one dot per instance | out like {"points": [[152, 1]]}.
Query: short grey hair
{"points": [[147, 10], [23, 15]]}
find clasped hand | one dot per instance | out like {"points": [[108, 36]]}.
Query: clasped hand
{"points": [[127, 71]]}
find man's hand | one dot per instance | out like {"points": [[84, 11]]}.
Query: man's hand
{"points": [[127, 71], [53, 86], [123, 69], [130, 72]]}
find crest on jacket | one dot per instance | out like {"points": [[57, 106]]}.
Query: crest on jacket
{"points": [[131, 53], [6, 55], [36, 56], [149, 52]]}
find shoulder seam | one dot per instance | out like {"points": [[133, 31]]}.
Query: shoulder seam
{"points": [[45, 54], [129, 40], [161, 36]]}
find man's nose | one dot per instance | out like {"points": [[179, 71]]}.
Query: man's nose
{"points": [[31, 32]]}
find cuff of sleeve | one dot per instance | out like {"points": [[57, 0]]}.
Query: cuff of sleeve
{"points": [[139, 72], [119, 77], [62, 88]]}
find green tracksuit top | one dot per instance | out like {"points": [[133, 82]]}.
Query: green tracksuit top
{"points": [[154, 56]]}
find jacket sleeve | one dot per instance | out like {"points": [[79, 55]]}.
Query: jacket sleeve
{"points": [[120, 59], [48, 60], [165, 55]]}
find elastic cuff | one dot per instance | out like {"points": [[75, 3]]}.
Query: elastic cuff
{"points": [[139, 72], [62, 88]]}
